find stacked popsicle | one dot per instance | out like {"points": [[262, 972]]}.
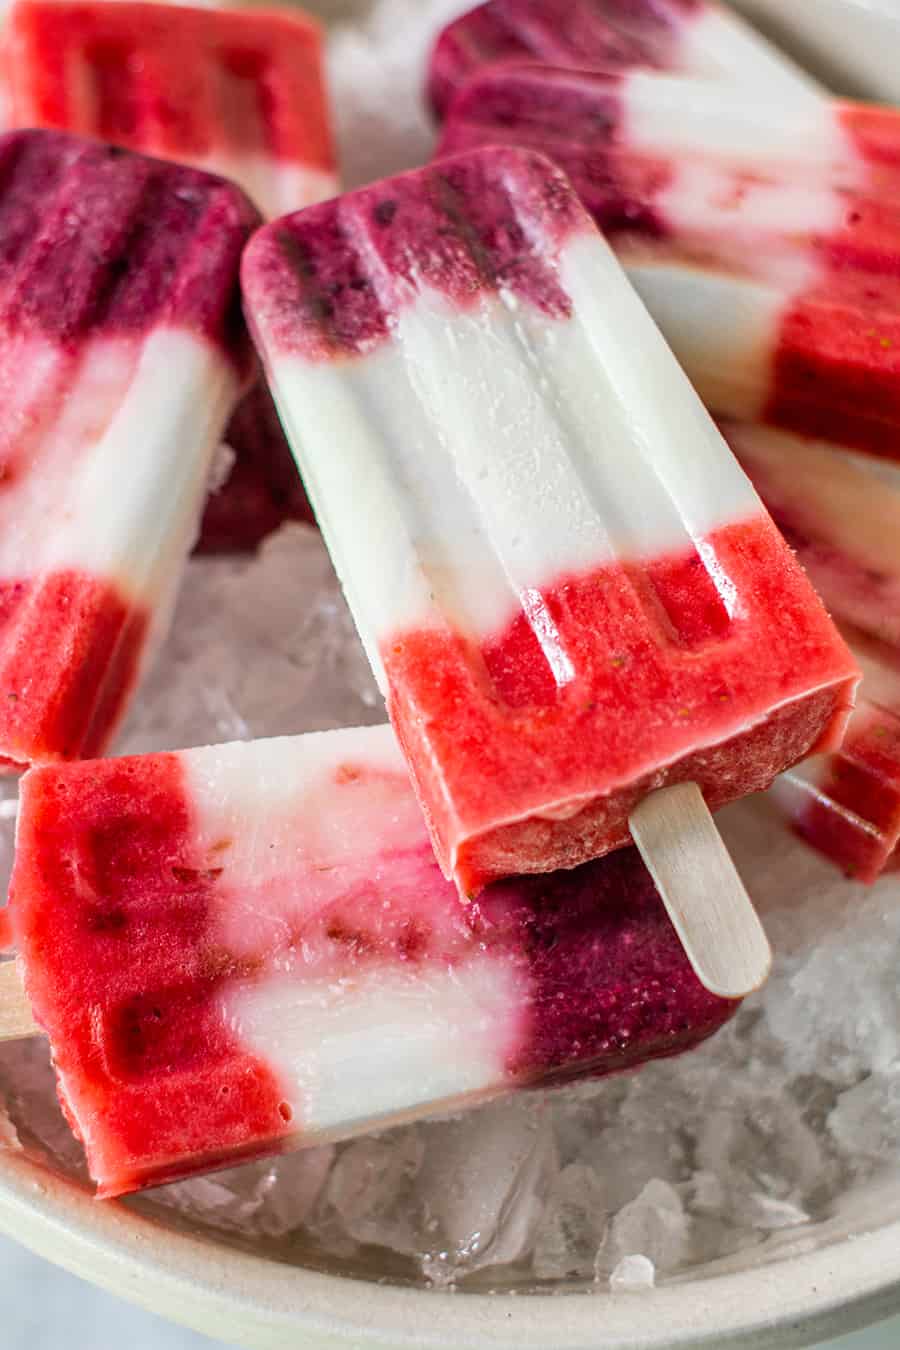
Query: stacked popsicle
{"points": [[233, 92], [697, 37], [246, 948], [767, 248], [123, 355], [847, 804], [238, 93], [576, 605], [464, 372], [769, 251], [841, 513], [229, 947]]}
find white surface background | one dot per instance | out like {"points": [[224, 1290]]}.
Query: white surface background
{"points": [[45, 1309]]}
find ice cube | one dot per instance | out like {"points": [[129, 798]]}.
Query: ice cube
{"points": [[864, 1122], [572, 1226], [654, 1225], [268, 1199], [632, 1275]]}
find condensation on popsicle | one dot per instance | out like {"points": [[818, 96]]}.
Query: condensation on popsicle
{"points": [[240, 93], [568, 589], [766, 246], [693, 36], [247, 948], [124, 352]]}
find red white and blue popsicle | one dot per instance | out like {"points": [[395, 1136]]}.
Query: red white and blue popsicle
{"points": [[847, 804], [766, 247], [568, 589], [123, 354], [841, 514], [235, 92], [239, 92], [248, 948], [697, 37]]}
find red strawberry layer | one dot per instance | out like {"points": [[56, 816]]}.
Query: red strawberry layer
{"points": [[719, 672]]}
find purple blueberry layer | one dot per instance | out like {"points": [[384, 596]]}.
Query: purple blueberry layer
{"points": [[100, 241], [331, 279], [609, 981], [587, 34], [577, 120]]}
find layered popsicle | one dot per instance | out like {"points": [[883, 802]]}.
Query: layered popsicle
{"points": [[847, 804], [123, 355], [241, 93], [840, 513], [236, 92], [250, 947], [698, 37], [567, 587], [766, 246]]}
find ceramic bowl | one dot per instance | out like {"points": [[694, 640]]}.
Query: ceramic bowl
{"points": [[792, 1291]]}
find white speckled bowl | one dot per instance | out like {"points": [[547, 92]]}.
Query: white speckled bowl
{"points": [[796, 1290], [798, 1294]]}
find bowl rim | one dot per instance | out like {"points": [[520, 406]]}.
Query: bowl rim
{"points": [[264, 1304]]}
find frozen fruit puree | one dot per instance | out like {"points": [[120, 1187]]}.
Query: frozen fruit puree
{"points": [[123, 354], [693, 36], [766, 246], [847, 804], [840, 513], [237, 93], [577, 597], [245, 948], [240, 93]]}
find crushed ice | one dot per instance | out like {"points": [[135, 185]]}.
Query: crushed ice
{"points": [[622, 1182], [625, 1182]]}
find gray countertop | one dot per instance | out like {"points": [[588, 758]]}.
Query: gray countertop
{"points": [[46, 1309]]}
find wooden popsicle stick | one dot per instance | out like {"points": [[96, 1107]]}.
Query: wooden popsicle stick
{"points": [[705, 898], [16, 1021]]}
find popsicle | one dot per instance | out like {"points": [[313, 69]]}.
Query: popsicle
{"points": [[847, 804], [853, 44], [123, 354], [693, 36], [766, 247], [840, 513], [238, 92], [673, 157], [568, 590], [247, 948]]}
